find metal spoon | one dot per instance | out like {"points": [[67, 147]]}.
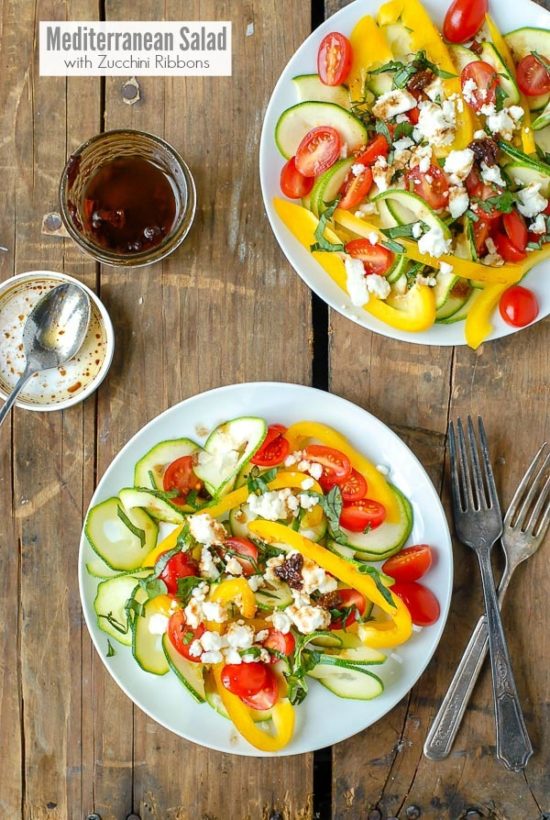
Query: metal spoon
{"points": [[53, 333]]}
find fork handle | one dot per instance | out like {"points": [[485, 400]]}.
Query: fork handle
{"points": [[513, 745], [446, 724]]}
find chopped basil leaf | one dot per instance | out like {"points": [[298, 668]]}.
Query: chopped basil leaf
{"points": [[393, 246], [139, 533], [377, 576], [135, 607], [110, 649], [382, 128], [393, 65], [188, 637], [332, 504], [323, 244], [252, 651], [542, 60], [403, 129], [471, 215], [165, 496], [153, 587], [163, 559], [534, 246], [186, 586], [405, 231], [258, 482], [501, 97], [123, 629], [502, 202]]}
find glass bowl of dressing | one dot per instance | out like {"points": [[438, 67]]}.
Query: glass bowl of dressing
{"points": [[127, 198]]}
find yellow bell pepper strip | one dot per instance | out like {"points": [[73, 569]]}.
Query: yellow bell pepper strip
{"points": [[379, 489], [369, 50], [161, 604], [166, 544], [506, 274], [527, 137], [386, 634], [389, 12], [282, 715], [237, 497], [478, 321], [231, 590], [419, 316]]}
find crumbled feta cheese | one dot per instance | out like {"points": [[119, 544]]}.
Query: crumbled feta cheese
{"points": [[492, 174], [195, 649], [307, 483], [211, 657], [494, 260], [255, 582], [402, 146], [500, 122], [530, 201], [378, 286], [281, 622], [301, 598], [263, 657], [239, 636], [434, 242], [382, 174], [307, 502], [491, 247], [233, 566], [207, 566], [357, 169], [206, 530], [435, 90], [193, 613], [292, 503], [261, 636], [308, 618], [383, 469], [373, 238], [539, 225], [392, 103], [459, 164], [401, 118], [316, 579], [200, 591], [365, 209], [271, 565], [469, 89], [479, 135], [211, 641], [293, 458], [516, 112], [231, 655], [272, 505], [356, 281], [429, 281], [437, 123], [316, 470], [445, 268], [158, 623], [417, 230], [214, 611], [458, 200]]}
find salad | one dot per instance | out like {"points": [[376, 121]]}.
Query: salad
{"points": [[421, 165], [267, 558]]}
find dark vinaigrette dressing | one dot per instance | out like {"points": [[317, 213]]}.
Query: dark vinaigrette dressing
{"points": [[129, 205]]}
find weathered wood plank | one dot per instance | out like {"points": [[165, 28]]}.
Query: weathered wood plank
{"points": [[198, 320]]}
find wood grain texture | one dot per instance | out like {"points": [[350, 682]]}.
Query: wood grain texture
{"points": [[416, 390]]}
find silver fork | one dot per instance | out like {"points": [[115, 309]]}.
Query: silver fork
{"points": [[525, 526], [478, 524]]}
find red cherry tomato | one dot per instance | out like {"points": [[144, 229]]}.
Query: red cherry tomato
{"points": [[486, 79], [246, 553], [267, 696], [280, 642], [481, 234], [182, 636], [349, 598], [379, 147], [410, 564], [464, 19], [336, 466], [319, 149], [432, 186], [274, 449], [359, 515], [334, 58], [179, 476], [180, 565], [518, 306], [477, 189], [507, 249], [354, 487], [516, 229], [295, 185], [419, 600], [375, 258], [413, 115], [356, 190], [533, 75]]}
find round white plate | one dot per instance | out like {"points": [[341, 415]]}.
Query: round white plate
{"points": [[323, 718], [508, 16]]}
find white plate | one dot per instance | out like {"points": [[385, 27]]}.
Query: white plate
{"points": [[163, 698], [508, 16]]}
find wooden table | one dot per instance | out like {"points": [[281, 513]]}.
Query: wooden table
{"points": [[226, 308]]}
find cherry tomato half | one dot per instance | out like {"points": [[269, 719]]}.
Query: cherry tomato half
{"points": [[319, 149], [419, 600], [358, 516], [349, 598], [516, 229], [295, 185], [244, 679], [518, 306], [280, 642], [533, 75], [267, 696], [485, 78], [356, 190], [410, 564], [464, 19], [432, 186], [354, 487], [245, 551], [180, 565], [481, 235], [507, 249], [182, 636], [336, 466], [375, 258], [413, 115], [179, 476], [477, 189], [274, 449], [379, 147], [334, 58]]}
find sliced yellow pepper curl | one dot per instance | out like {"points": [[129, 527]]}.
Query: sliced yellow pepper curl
{"points": [[232, 591], [166, 544], [284, 479], [385, 633], [378, 488], [282, 715], [478, 321], [370, 49]]}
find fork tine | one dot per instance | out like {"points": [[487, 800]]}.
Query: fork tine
{"points": [[455, 479], [474, 457], [531, 494], [524, 484], [544, 524], [542, 503], [489, 477], [465, 469]]}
